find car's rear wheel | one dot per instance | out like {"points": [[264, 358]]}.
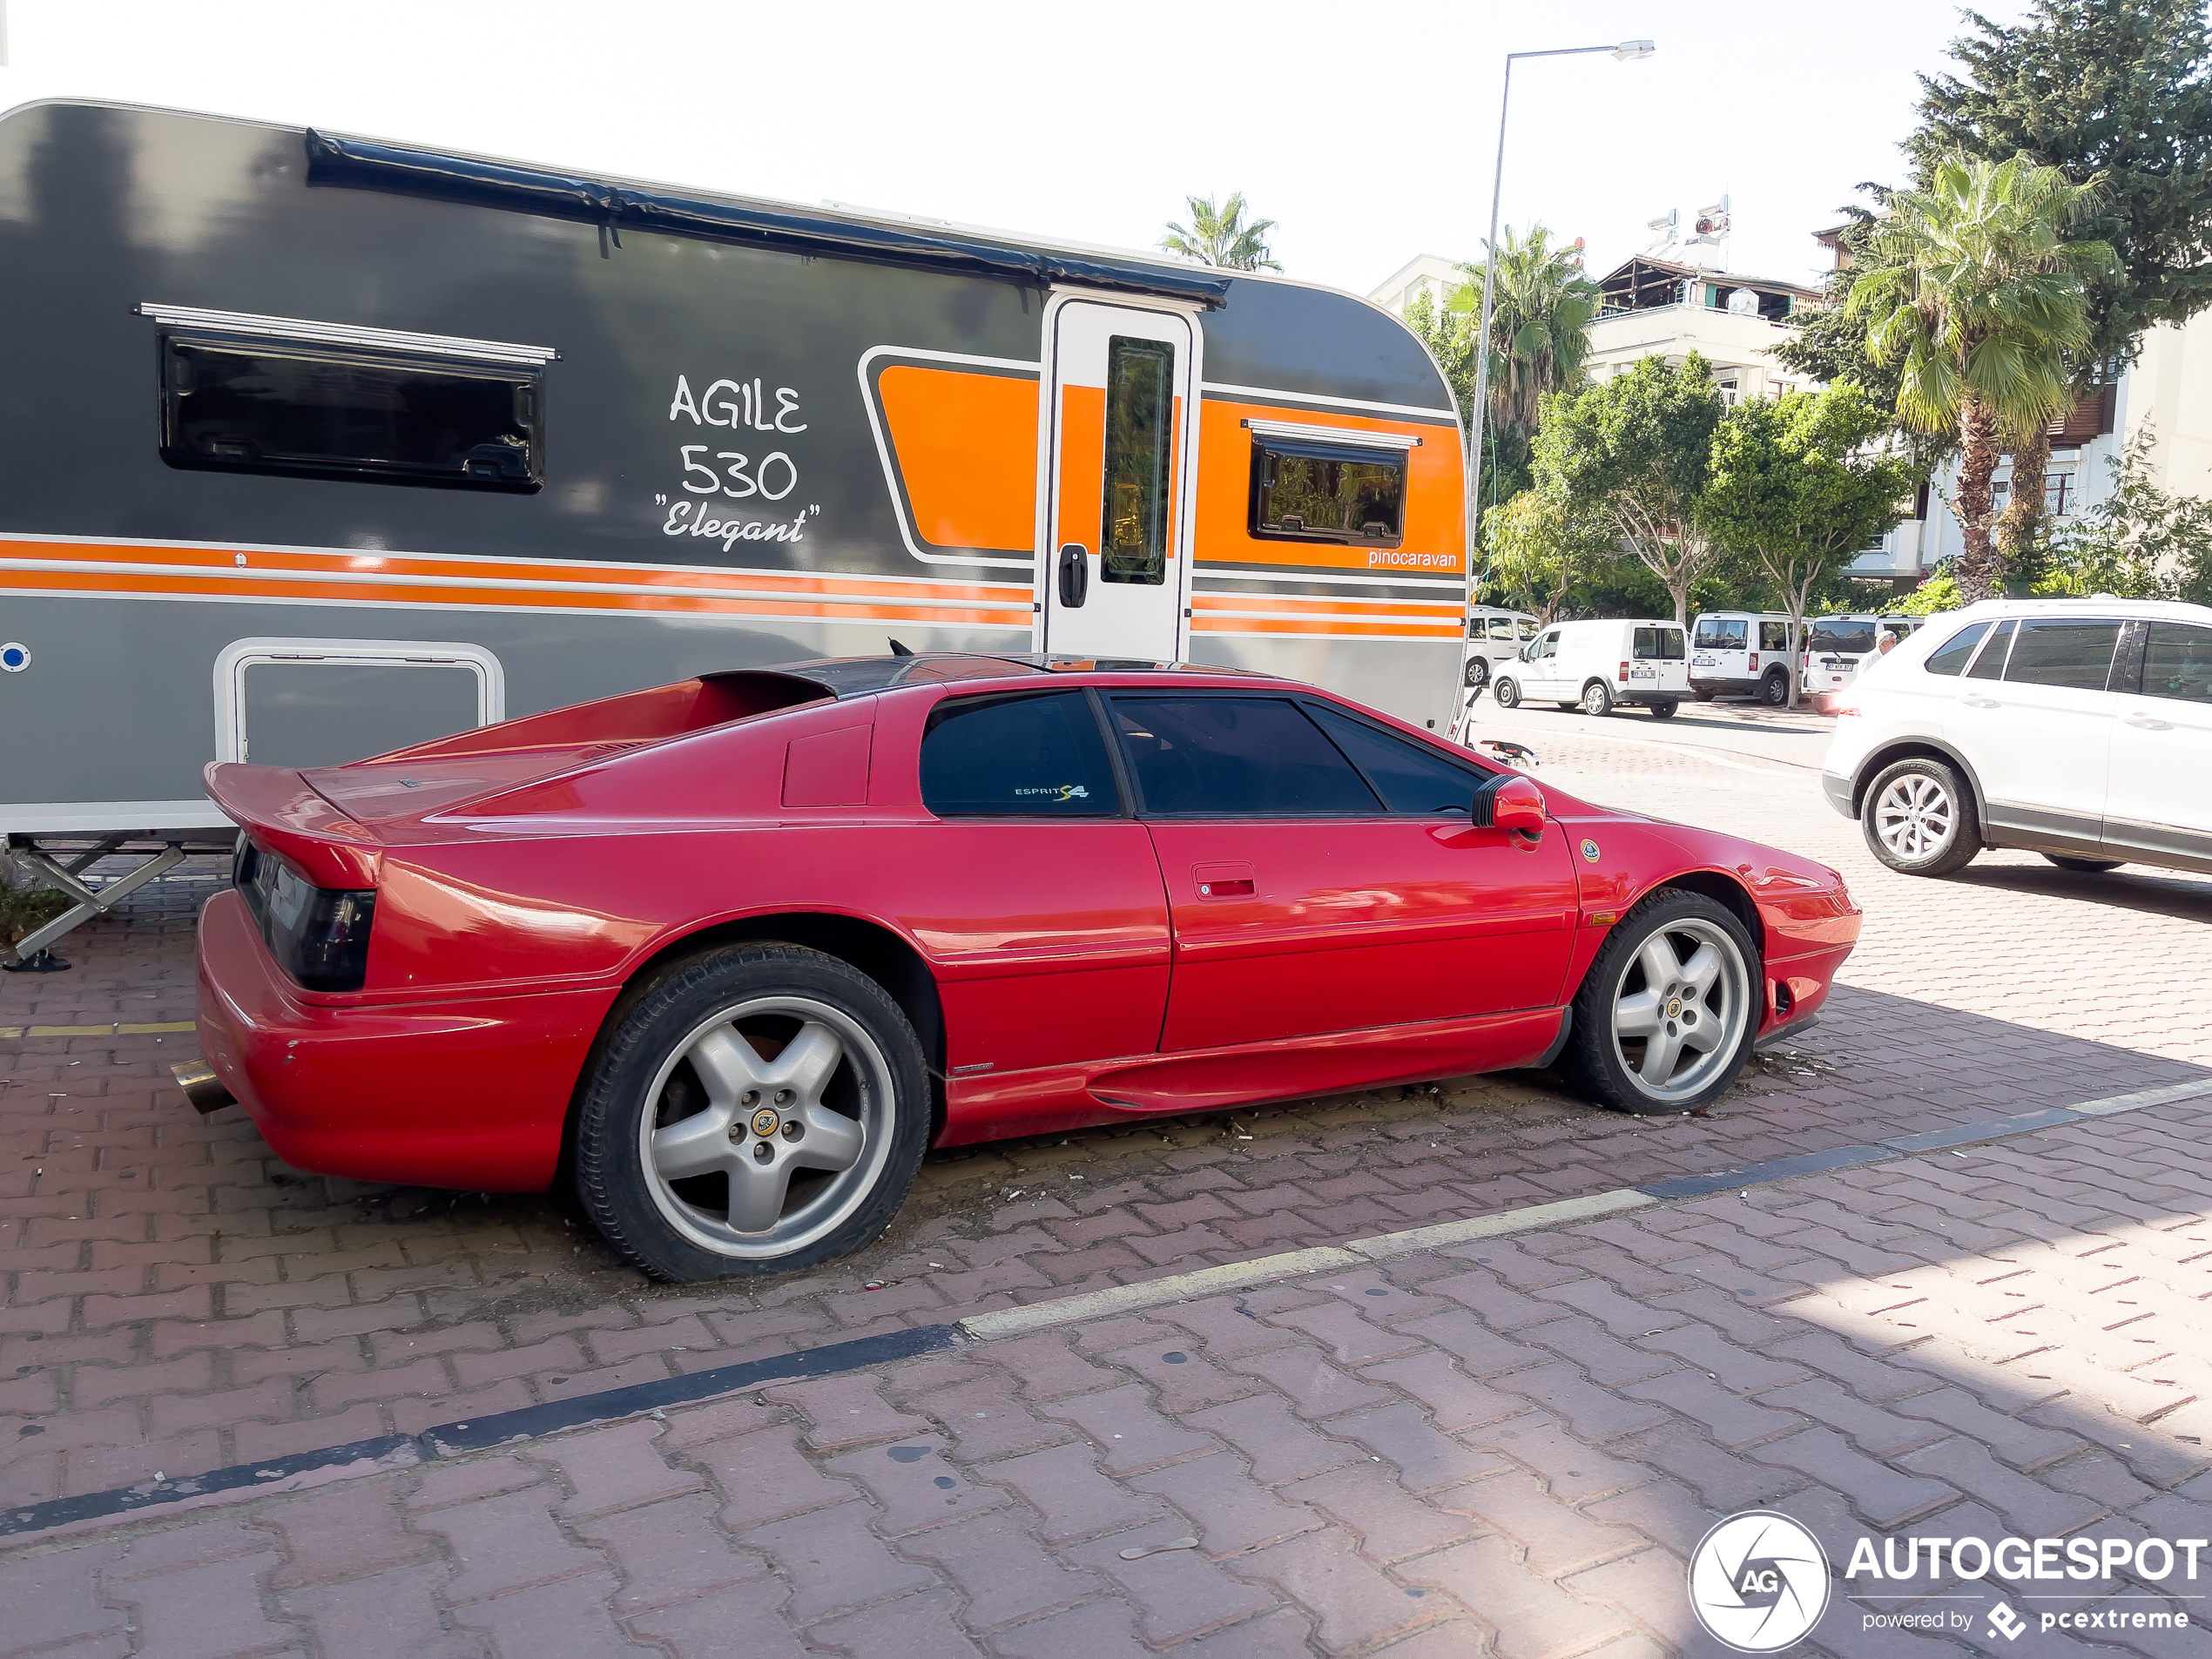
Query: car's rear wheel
{"points": [[1774, 690], [1664, 711], [1477, 673], [1665, 1017], [1597, 698], [1706, 697], [1917, 819], [1505, 693], [758, 1109], [2083, 866]]}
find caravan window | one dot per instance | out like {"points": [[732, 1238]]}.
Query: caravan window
{"points": [[277, 407], [1312, 490], [1140, 461]]}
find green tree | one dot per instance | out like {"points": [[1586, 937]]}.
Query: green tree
{"points": [[1634, 454], [2139, 542], [1541, 307], [1219, 236], [1801, 485], [1979, 298], [1539, 550], [2116, 91]]}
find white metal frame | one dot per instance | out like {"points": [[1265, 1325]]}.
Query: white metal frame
{"points": [[305, 332], [231, 665]]}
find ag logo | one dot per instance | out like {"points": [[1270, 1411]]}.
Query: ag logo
{"points": [[1589, 851], [1758, 1581]]}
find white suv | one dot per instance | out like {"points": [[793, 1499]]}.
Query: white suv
{"points": [[2081, 729]]}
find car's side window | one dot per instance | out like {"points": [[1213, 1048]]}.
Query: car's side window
{"points": [[1241, 756], [1989, 664], [2177, 663], [1027, 755], [1950, 657], [1774, 636], [1547, 646], [2072, 652], [1409, 778]]}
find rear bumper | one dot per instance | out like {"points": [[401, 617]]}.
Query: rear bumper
{"points": [[474, 1095]]}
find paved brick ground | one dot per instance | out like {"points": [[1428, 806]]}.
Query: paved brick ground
{"points": [[1508, 1447], [176, 1300]]}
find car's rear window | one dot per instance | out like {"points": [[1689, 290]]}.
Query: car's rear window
{"points": [[1659, 645], [2072, 652], [1856, 636], [1715, 634]]}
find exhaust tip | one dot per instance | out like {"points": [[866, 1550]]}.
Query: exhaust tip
{"points": [[201, 1086]]}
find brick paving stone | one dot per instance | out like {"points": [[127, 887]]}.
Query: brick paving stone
{"points": [[1556, 1537], [1099, 1630], [344, 1533], [1593, 1414], [1128, 1431], [1277, 1446], [568, 1615], [614, 1468], [1352, 1604], [833, 1560], [1231, 1512], [1426, 1458], [1315, 1382], [1388, 1523], [703, 1626], [844, 1410], [1887, 1498], [764, 1476], [1063, 1485], [912, 1485], [392, 1612], [53, 1599], [1177, 1594], [1454, 1400], [211, 1611], [999, 1566], [669, 1551], [1181, 1377], [1533, 1618], [914, 1627], [505, 1543]]}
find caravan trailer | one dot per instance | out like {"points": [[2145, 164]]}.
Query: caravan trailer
{"points": [[313, 447]]}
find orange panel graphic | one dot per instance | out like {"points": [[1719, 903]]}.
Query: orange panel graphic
{"points": [[966, 448], [1083, 465]]}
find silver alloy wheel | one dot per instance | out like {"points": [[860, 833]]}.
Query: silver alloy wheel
{"points": [[1915, 816], [766, 1105], [1687, 1012], [1596, 699]]}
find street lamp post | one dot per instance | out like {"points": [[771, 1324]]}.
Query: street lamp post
{"points": [[1626, 52]]}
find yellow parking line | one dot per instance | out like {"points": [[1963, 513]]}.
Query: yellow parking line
{"points": [[110, 1030]]}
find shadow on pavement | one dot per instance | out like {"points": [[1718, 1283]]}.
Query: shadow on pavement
{"points": [[2134, 887]]}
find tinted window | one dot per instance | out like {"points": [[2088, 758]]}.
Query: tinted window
{"points": [[1409, 778], [279, 408], [1322, 492], [1774, 636], [1140, 455], [2063, 652], [1022, 756], [1716, 634], [1950, 656], [2177, 663], [1249, 756], [1990, 665], [1840, 634], [1663, 644]]}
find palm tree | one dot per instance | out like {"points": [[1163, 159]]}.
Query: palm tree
{"points": [[1977, 290], [1542, 307], [1220, 236]]}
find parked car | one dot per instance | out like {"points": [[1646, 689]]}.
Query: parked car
{"points": [[1835, 648], [2081, 729], [1595, 664], [1493, 637], [1741, 653], [731, 954]]}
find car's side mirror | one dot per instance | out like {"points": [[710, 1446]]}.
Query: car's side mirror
{"points": [[1508, 801]]}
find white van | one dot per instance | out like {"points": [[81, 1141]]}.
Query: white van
{"points": [[1741, 653], [1493, 637], [1596, 664]]}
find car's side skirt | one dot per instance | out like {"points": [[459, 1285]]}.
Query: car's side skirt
{"points": [[2134, 841]]}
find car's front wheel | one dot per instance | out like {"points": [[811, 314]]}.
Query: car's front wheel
{"points": [[1917, 819], [1505, 693], [758, 1109], [1666, 1015], [1597, 698]]}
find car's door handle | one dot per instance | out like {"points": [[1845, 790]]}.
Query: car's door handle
{"points": [[1223, 881], [1981, 702], [1075, 574], [2145, 723]]}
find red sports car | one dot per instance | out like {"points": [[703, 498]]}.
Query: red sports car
{"points": [[733, 953]]}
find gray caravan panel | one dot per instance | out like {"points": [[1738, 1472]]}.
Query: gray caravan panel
{"points": [[1413, 679]]}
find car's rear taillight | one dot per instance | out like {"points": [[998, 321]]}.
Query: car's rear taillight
{"points": [[1753, 666], [1847, 710], [318, 936], [1624, 673]]}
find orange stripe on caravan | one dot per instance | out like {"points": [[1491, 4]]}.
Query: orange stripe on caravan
{"points": [[427, 597], [1310, 605], [1390, 625], [966, 446], [472, 571]]}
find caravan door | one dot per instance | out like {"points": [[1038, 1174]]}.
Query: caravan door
{"points": [[1115, 518]]}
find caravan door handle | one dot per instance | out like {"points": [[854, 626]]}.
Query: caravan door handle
{"points": [[1075, 574]]}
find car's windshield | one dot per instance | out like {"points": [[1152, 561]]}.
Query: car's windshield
{"points": [[1842, 633], [1717, 633]]}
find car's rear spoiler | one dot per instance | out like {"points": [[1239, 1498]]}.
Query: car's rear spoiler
{"points": [[278, 808]]}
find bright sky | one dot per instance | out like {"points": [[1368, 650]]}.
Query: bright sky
{"points": [[1366, 130]]}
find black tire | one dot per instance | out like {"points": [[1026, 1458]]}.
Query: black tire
{"points": [[1918, 818], [1505, 692], [858, 1090], [1664, 711], [1705, 697], [1476, 675], [1605, 1063], [1596, 699], [1774, 690], [2083, 866]]}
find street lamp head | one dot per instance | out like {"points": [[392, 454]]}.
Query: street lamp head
{"points": [[1630, 51]]}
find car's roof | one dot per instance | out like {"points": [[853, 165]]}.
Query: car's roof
{"points": [[844, 676], [2094, 605]]}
